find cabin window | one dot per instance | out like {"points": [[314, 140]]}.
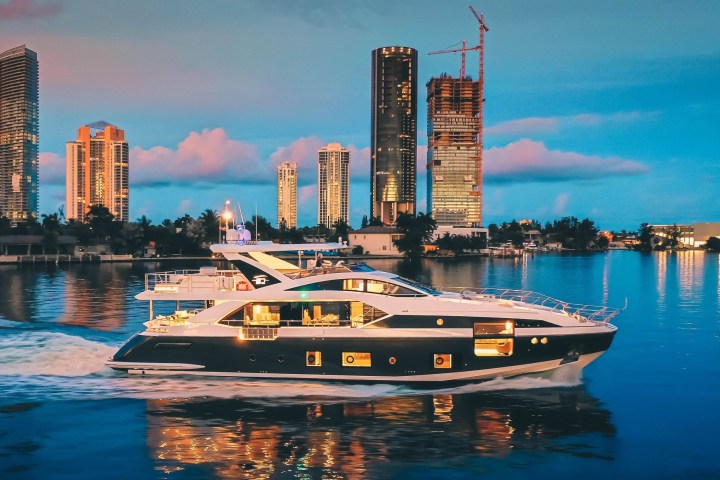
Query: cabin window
{"points": [[332, 313], [494, 339], [359, 285], [356, 359], [385, 288], [499, 327], [493, 347]]}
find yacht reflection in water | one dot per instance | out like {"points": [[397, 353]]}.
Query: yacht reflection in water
{"points": [[371, 439]]}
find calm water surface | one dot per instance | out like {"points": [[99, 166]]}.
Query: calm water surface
{"points": [[648, 408]]}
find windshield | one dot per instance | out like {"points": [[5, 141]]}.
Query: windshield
{"points": [[418, 286]]}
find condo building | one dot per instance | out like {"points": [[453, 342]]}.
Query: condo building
{"points": [[19, 128], [454, 161], [333, 184], [97, 172], [287, 194], [393, 144]]}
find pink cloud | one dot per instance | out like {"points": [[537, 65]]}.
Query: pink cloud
{"points": [[531, 161], [524, 126], [561, 202], [209, 156], [52, 169], [548, 125], [24, 9], [304, 152]]}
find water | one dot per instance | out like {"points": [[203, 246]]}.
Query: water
{"points": [[645, 409]]}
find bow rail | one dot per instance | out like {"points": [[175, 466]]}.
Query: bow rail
{"points": [[583, 312]]}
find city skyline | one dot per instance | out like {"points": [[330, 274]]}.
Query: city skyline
{"points": [[617, 124]]}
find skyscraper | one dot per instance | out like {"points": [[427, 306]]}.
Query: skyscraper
{"points": [[287, 194], [393, 149], [19, 127], [333, 184], [97, 171], [454, 160]]}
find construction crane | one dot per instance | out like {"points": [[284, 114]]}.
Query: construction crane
{"points": [[462, 51], [481, 73]]}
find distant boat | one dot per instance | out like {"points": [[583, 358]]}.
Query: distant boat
{"points": [[505, 250]]}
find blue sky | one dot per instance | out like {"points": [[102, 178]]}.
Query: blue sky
{"points": [[603, 109]]}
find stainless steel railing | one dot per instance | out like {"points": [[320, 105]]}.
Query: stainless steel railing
{"points": [[583, 312]]}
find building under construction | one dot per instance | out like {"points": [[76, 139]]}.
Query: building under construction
{"points": [[454, 167], [455, 141]]}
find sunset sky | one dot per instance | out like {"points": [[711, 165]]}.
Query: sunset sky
{"points": [[609, 109]]}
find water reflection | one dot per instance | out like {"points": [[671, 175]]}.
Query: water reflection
{"points": [[246, 439]]}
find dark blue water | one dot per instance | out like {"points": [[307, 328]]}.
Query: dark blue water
{"points": [[648, 408]]}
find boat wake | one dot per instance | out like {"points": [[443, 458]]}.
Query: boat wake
{"points": [[48, 353], [50, 365]]}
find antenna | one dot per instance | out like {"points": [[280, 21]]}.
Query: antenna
{"points": [[256, 222]]}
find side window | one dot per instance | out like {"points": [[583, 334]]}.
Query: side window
{"points": [[494, 339], [385, 288]]}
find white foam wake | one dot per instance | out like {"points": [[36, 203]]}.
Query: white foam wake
{"points": [[48, 353]]}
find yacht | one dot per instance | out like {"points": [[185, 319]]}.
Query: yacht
{"points": [[335, 321]]}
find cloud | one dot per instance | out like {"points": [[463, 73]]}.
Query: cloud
{"points": [[209, 156], [52, 169], [530, 161], [304, 152], [548, 125], [26, 9], [561, 202], [524, 126]]}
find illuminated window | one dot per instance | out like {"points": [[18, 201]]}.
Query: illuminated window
{"points": [[500, 327], [493, 347], [492, 339], [356, 359]]}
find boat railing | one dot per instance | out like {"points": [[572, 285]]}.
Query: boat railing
{"points": [[311, 272], [508, 297], [190, 280]]}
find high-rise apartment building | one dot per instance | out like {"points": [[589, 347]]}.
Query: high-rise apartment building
{"points": [[393, 150], [333, 184], [19, 128], [454, 159], [97, 172], [287, 194]]}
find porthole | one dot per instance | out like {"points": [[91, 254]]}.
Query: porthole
{"points": [[392, 360], [534, 341], [544, 340], [313, 359], [281, 358], [252, 357], [442, 360], [440, 321]]}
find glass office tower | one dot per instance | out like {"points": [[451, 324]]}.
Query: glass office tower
{"points": [[19, 128], [393, 146]]}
